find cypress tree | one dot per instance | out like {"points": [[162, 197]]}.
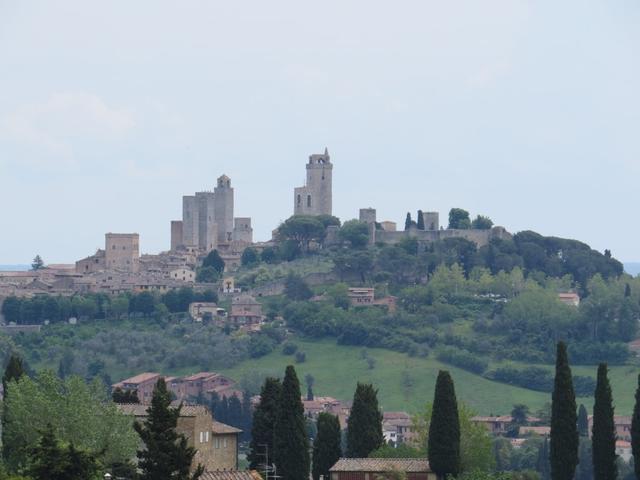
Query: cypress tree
{"points": [[326, 446], [604, 431], [291, 441], [247, 413], [584, 471], [12, 373], [264, 422], [420, 220], [165, 453], [583, 421], [635, 432], [408, 221], [364, 430], [563, 448], [444, 429], [542, 464]]}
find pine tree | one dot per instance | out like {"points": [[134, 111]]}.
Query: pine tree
{"points": [[291, 442], [264, 422], [50, 461], [420, 220], [166, 453], [604, 431], [326, 446], [583, 421], [563, 449], [12, 373], [635, 432], [444, 430], [364, 430], [37, 264], [408, 222]]}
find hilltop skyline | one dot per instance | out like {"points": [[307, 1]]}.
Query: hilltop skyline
{"points": [[521, 111]]}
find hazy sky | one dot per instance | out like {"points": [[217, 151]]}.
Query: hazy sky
{"points": [[526, 111]]}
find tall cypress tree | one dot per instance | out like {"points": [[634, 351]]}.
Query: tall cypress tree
{"points": [[444, 430], [635, 432], [165, 453], [364, 430], [604, 430], [408, 221], [420, 220], [291, 441], [326, 446], [542, 464], [264, 422], [583, 421], [563, 448], [12, 373]]}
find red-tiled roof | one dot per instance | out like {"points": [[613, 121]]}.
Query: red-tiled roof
{"points": [[231, 475], [381, 465], [141, 378]]}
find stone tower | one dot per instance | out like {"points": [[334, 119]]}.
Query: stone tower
{"points": [[315, 198], [122, 252], [224, 209]]}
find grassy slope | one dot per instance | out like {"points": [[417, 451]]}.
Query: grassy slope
{"points": [[337, 369]]}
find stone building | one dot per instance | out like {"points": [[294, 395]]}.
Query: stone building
{"points": [[381, 469], [122, 252], [208, 222], [216, 443], [315, 198]]}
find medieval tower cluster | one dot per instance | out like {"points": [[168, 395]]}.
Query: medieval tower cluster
{"points": [[315, 197], [208, 222]]}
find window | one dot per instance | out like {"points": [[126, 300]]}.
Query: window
{"points": [[224, 443], [299, 200], [201, 437], [308, 200], [206, 437], [216, 443]]}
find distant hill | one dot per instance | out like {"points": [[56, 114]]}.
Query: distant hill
{"points": [[632, 268], [13, 268]]}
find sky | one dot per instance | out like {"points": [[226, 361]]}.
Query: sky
{"points": [[525, 111]]}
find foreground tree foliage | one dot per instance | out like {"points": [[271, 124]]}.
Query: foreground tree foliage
{"points": [[12, 373], [264, 423], [78, 412], [165, 453], [443, 445], [326, 446], [364, 430], [49, 460], [476, 448], [635, 432], [291, 441], [604, 430], [564, 431]]}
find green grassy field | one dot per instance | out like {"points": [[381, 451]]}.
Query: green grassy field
{"points": [[407, 383]]}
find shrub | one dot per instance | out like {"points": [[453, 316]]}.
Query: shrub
{"points": [[301, 357], [463, 359], [289, 348]]}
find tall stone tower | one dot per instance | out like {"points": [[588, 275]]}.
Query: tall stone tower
{"points": [[122, 252], [223, 216], [315, 198]]}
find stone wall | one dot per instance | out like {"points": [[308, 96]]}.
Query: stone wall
{"points": [[479, 237]]}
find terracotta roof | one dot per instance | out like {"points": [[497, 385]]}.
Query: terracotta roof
{"points": [[138, 410], [200, 376], [219, 427], [395, 415], [381, 465], [231, 475], [141, 378]]}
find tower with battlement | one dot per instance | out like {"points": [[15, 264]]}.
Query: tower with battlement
{"points": [[315, 198]]}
